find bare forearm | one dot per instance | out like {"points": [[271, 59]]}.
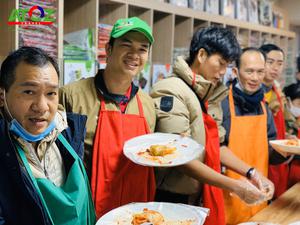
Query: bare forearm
{"points": [[205, 174], [231, 161], [245, 190]]}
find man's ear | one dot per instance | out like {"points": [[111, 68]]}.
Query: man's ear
{"points": [[202, 55], [108, 49], [235, 71], [1, 97]]}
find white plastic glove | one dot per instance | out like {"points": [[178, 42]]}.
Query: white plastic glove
{"points": [[263, 184], [248, 192]]}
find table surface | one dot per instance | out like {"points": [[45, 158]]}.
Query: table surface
{"points": [[284, 210]]}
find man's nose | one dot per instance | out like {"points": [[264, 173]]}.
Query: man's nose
{"points": [[255, 76], [40, 104]]}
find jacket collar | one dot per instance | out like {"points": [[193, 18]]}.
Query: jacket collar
{"points": [[243, 101], [202, 87], [101, 87]]}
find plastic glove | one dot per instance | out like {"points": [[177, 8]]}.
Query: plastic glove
{"points": [[263, 184], [248, 192]]}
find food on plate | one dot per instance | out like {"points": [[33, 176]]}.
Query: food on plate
{"points": [[161, 150], [292, 142], [162, 154], [257, 223], [149, 216], [156, 218]]}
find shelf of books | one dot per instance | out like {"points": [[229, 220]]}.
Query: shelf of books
{"points": [[41, 32], [84, 27]]}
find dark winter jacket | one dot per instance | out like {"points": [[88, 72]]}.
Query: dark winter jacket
{"points": [[19, 201], [244, 108]]}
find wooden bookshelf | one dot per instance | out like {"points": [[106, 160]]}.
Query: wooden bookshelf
{"points": [[9, 40], [173, 26]]}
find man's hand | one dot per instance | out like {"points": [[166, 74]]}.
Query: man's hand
{"points": [[248, 192], [263, 184]]}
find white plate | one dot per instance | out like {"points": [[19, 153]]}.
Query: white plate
{"points": [[295, 223], [173, 213], [258, 223], [280, 146], [186, 149]]}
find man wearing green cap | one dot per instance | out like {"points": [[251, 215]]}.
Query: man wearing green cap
{"points": [[117, 110]]}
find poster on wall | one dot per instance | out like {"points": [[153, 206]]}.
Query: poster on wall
{"points": [[227, 8], [196, 4], [265, 12], [253, 11], [211, 6], [160, 72], [78, 69], [143, 79], [242, 10]]}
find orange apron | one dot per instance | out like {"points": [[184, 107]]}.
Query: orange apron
{"points": [[278, 174], [115, 179], [213, 196], [248, 140]]}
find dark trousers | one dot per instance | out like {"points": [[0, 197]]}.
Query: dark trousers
{"points": [[166, 196]]}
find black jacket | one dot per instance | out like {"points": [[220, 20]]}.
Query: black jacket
{"points": [[19, 201], [243, 108]]}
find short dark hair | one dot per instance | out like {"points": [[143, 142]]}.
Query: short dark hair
{"points": [[270, 47], [292, 91], [30, 55], [249, 49], [111, 42], [214, 40]]}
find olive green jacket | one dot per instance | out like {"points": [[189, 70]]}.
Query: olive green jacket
{"points": [[81, 97], [185, 116]]}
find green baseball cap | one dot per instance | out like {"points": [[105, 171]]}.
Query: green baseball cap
{"points": [[122, 26]]}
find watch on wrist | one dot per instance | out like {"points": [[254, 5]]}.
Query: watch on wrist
{"points": [[250, 173]]}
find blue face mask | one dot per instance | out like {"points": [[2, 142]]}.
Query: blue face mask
{"points": [[18, 130]]}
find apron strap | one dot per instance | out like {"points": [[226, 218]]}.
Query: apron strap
{"points": [[64, 141], [278, 96], [74, 154], [91, 207], [231, 102], [139, 103], [27, 166]]}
